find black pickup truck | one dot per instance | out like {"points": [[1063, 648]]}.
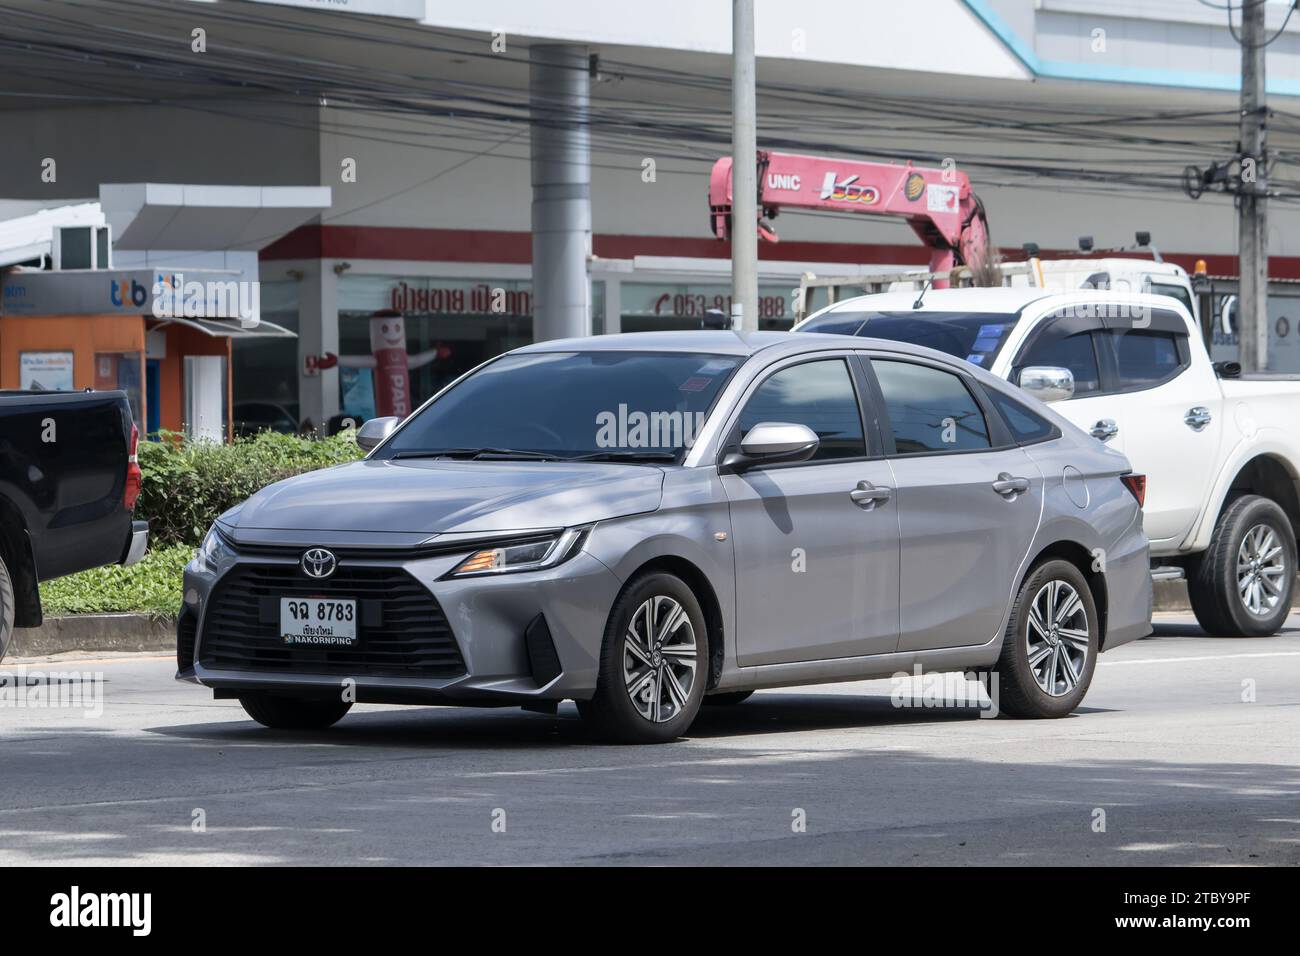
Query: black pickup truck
{"points": [[68, 483]]}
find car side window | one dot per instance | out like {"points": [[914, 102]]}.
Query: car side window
{"points": [[1146, 357], [1076, 352], [818, 394], [1026, 426], [929, 410]]}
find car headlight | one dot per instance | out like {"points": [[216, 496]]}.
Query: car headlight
{"points": [[212, 552], [531, 555]]}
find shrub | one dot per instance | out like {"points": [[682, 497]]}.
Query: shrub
{"points": [[153, 585], [188, 484]]}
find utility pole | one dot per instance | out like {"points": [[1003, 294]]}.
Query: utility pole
{"points": [[1252, 302], [744, 171]]}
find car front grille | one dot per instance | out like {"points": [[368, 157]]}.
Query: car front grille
{"points": [[402, 632]]}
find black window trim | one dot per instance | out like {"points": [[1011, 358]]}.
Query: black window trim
{"points": [[871, 438], [1000, 438]]}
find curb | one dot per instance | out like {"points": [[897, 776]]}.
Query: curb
{"points": [[94, 632]]}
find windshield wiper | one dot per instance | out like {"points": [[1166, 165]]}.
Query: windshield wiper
{"points": [[627, 456], [488, 454]]}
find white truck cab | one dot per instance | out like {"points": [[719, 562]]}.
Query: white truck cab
{"points": [[1221, 454]]}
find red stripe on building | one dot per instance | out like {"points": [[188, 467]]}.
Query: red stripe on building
{"points": [[515, 248]]}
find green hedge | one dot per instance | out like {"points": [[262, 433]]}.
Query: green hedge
{"points": [[187, 484], [152, 585]]}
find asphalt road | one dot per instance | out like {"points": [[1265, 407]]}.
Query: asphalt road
{"points": [[1185, 770]]}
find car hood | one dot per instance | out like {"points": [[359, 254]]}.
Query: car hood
{"points": [[426, 497]]}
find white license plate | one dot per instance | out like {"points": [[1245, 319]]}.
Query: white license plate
{"points": [[318, 622]]}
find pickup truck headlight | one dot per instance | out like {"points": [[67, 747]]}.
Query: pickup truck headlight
{"points": [[212, 552], [530, 555]]}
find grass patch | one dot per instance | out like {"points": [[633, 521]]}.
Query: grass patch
{"points": [[151, 585]]}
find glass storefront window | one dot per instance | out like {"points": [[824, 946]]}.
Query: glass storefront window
{"points": [[265, 370], [452, 325], [121, 370], [658, 306]]}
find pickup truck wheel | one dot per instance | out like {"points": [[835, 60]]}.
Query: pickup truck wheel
{"points": [[1242, 585], [294, 713], [6, 609], [653, 663], [1050, 647]]}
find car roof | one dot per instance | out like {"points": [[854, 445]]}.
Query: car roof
{"points": [[999, 299], [976, 300], [689, 340]]}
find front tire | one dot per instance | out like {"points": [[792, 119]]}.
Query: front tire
{"points": [[294, 713], [653, 663], [6, 609], [1242, 585], [1051, 644]]}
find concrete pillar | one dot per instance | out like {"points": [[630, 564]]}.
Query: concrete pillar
{"points": [[561, 177], [318, 333]]}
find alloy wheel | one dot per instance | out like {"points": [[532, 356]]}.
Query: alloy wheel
{"points": [[659, 652], [1261, 570], [1057, 638]]}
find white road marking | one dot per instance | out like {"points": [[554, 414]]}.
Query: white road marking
{"points": [[1205, 657]]}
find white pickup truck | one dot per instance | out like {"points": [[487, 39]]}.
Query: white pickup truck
{"points": [[1220, 451]]}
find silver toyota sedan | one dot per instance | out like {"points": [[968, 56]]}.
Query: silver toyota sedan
{"points": [[652, 522]]}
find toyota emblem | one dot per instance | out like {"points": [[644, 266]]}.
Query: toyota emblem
{"points": [[318, 563]]}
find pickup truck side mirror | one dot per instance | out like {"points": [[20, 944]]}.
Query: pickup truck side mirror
{"points": [[769, 443], [376, 430], [1047, 383]]}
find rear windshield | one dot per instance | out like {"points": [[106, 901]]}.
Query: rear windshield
{"points": [[976, 337]]}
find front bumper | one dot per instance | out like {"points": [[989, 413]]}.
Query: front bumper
{"points": [[530, 636]]}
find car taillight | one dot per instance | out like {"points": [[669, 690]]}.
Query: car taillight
{"points": [[134, 478], [1137, 484]]}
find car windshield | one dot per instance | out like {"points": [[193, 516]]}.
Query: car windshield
{"points": [[598, 405], [976, 337]]}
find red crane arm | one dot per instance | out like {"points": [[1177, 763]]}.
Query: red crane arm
{"points": [[937, 203]]}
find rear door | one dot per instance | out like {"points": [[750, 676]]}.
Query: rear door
{"points": [[969, 502], [1171, 417], [816, 570]]}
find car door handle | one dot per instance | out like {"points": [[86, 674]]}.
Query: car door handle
{"points": [[866, 495], [1009, 486], [1197, 418], [1104, 429]]}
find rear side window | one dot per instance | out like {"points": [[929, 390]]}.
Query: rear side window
{"points": [[1145, 357], [818, 394], [1024, 424], [1075, 352], [929, 410]]}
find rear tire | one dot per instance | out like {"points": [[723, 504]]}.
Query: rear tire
{"points": [[294, 713], [727, 700], [1214, 581], [650, 691], [1050, 647], [6, 609]]}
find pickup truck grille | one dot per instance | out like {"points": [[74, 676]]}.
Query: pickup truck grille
{"points": [[402, 632]]}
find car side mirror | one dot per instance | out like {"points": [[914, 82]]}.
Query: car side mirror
{"points": [[1048, 383], [769, 443], [375, 431]]}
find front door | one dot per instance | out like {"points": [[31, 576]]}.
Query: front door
{"points": [[969, 503], [816, 564]]}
